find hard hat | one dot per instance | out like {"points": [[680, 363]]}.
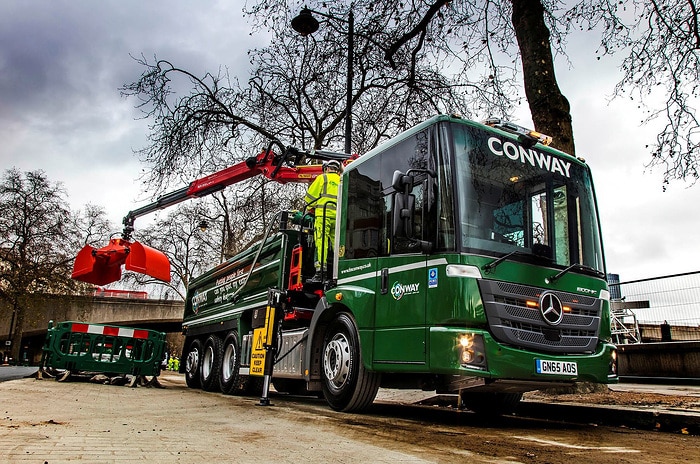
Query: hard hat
{"points": [[333, 165]]}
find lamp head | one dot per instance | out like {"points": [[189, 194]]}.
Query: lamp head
{"points": [[305, 23]]}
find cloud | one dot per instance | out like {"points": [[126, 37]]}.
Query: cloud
{"points": [[61, 65], [63, 61]]}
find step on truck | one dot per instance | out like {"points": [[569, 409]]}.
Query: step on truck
{"points": [[467, 259]]}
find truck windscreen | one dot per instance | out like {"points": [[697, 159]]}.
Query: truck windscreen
{"points": [[512, 197]]}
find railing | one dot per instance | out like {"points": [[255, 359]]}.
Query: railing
{"points": [[665, 308], [80, 346]]}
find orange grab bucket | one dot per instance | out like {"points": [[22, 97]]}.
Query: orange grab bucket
{"points": [[103, 266]]}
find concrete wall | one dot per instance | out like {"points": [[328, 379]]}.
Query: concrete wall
{"points": [[660, 360], [161, 315]]}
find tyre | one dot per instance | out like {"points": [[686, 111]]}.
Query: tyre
{"points": [[229, 378], [194, 355], [211, 364], [490, 404], [347, 386]]}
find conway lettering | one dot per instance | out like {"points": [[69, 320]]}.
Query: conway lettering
{"points": [[532, 157]]}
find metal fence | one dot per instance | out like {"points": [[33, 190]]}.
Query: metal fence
{"points": [[665, 308]]}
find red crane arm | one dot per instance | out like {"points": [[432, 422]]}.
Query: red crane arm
{"points": [[102, 266]]}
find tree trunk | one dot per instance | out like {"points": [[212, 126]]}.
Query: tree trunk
{"points": [[17, 331], [549, 108]]}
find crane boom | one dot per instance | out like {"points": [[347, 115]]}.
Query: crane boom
{"points": [[102, 266]]}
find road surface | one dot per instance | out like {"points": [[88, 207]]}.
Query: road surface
{"points": [[54, 422]]}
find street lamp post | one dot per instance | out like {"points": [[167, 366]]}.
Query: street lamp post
{"points": [[306, 24]]}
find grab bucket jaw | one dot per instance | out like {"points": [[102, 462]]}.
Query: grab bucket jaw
{"points": [[149, 261], [103, 266]]}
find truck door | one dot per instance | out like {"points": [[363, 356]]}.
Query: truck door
{"points": [[401, 298]]}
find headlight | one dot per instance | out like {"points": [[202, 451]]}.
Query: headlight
{"points": [[472, 351]]}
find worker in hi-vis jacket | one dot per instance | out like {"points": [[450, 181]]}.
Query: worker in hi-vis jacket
{"points": [[321, 198]]}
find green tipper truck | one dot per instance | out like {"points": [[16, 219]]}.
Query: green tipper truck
{"points": [[467, 259]]}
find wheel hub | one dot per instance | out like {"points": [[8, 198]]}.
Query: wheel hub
{"points": [[336, 360], [192, 361], [229, 362], [207, 362]]}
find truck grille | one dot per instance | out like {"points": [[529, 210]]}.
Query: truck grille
{"points": [[515, 323]]}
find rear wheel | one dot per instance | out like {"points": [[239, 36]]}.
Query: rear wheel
{"points": [[347, 386], [230, 364], [491, 404], [211, 364], [194, 355]]}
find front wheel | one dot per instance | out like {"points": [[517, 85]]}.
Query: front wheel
{"points": [[347, 385], [194, 356]]}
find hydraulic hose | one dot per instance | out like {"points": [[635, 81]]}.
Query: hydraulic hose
{"points": [[257, 256]]}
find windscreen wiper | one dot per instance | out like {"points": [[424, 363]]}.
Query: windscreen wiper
{"points": [[577, 266], [488, 267]]}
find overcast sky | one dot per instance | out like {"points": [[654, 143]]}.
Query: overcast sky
{"points": [[62, 62]]}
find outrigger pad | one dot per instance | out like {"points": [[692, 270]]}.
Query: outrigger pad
{"points": [[149, 261]]}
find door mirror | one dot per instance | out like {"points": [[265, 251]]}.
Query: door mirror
{"points": [[402, 183], [404, 209]]}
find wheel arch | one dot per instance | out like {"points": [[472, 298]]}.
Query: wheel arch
{"points": [[324, 313]]}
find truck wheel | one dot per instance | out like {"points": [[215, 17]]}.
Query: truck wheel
{"points": [[347, 386], [194, 354], [490, 404], [211, 364], [230, 365]]}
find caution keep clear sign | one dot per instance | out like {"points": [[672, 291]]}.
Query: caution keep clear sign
{"points": [[261, 336]]}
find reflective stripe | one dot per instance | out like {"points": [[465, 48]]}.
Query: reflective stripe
{"points": [[109, 331], [393, 270], [322, 190]]}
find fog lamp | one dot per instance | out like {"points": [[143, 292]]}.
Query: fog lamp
{"points": [[471, 351], [612, 368]]}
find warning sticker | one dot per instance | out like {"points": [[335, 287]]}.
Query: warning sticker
{"points": [[257, 354], [258, 351]]}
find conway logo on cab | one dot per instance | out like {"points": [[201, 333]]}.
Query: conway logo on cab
{"points": [[399, 290]]}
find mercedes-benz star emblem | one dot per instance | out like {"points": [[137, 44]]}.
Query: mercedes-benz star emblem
{"points": [[551, 308]]}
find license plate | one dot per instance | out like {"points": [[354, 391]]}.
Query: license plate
{"points": [[556, 367]]}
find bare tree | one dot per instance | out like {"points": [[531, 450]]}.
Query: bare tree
{"points": [[190, 250], [37, 243], [491, 36], [660, 42], [91, 226], [295, 94]]}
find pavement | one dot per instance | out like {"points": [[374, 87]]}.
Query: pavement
{"points": [[661, 416]]}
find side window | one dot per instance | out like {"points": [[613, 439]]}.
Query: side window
{"points": [[371, 200], [410, 154], [366, 233]]}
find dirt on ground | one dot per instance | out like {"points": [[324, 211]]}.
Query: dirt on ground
{"points": [[55, 422], [618, 398]]}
